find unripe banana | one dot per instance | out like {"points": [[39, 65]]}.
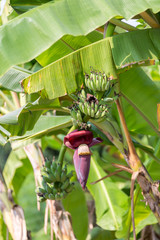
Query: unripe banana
{"points": [[83, 93], [44, 173], [69, 175], [81, 106], [64, 194], [65, 184], [47, 163], [58, 173], [51, 196], [98, 114], [79, 117], [92, 112], [44, 183], [96, 107], [57, 197], [40, 190], [104, 84], [101, 108], [86, 79], [108, 100], [54, 191], [103, 113], [86, 108], [91, 84], [69, 188], [53, 167], [48, 189], [97, 85], [89, 110], [42, 199], [73, 114], [63, 176], [92, 104], [47, 179], [65, 169], [52, 177], [46, 195]]}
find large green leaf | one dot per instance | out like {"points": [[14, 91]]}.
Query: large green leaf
{"points": [[143, 94], [133, 47], [5, 152], [45, 125], [66, 45], [67, 74], [12, 78], [24, 5], [24, 118], [110, 207], [36, 30], [142, 214], [75, 203], [26, 198], [16, 170]]}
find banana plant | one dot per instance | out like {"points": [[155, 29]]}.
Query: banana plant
{"points": [[79, 78]]}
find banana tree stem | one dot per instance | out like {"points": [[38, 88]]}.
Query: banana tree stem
{"points": [[133, 160], [64, 148]]}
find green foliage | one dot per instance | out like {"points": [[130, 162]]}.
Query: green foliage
{"points": [[75, 203], [66, 38], [110, 208]]}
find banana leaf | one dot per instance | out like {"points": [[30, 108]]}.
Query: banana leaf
{"points": [[31, 33]]}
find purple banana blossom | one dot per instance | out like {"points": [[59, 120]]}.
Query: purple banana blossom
{"points": [[81, 141]]}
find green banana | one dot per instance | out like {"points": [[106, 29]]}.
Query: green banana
{"points": [[47, 164], [63, 176], [86, 108], [92, 112], [83, 94], [47, 179], [81, 106], [42, 199], [69, 175], [58, 173], [40, 190], [103, 113], [69, 188], [51, 196], [73, 114], [48, 189], [65, 184], [52, 177], [96, 106], [92, 104], [63, 194], [54, 191], [98, 113], [91, 85], [89, 110], [79, 117], [57, 197]]}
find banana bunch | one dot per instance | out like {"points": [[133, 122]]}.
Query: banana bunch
{"points": [[55, 182], [97, 81], [90, 106]]}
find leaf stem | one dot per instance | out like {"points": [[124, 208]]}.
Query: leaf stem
{"points": [[110, 29], [64, 148], [148, 19], [123, 25], [133, 160]]}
